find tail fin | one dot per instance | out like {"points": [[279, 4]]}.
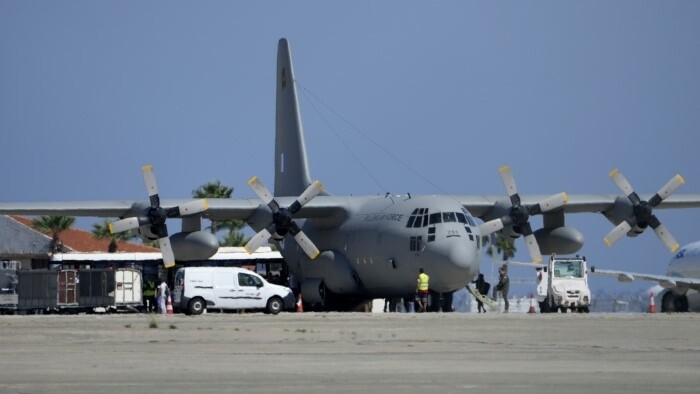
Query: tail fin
{"points": [[291, 168]]}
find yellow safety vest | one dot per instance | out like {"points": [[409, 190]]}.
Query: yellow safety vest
{"points": [[423, 281]]}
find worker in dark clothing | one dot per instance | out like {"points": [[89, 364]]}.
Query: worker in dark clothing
{"points": [[149, 295], [482, 286]]}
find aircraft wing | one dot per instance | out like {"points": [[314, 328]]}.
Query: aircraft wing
{"points": [[667, 282], [218, 208], [480, 206]]}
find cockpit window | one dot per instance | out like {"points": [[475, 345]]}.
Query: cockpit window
{"points": [[435, 218], [449, 217], [461, 218], [419, 218]]}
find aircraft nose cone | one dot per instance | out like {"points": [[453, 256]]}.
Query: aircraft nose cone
{"points": [[460, 265]]}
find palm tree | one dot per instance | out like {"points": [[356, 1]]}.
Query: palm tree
{"points": [[101, 231], [54, 226], [213, 190], [501, 245], [234, 236]]}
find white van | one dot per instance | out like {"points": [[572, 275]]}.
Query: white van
{"points": [[197, 288]]}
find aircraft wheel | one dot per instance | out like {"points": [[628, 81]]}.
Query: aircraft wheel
{"points": [[681, 303], [196, 306], [668, 304], [275, 305], [563, 309]]}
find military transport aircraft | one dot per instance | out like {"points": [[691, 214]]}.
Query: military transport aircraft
{"points": [[345, 250]]}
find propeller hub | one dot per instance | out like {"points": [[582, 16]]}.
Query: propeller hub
{"points": [[157, 216], [282, 220], [519, 215]]}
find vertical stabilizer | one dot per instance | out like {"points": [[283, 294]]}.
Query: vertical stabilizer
{"points": [[291, 169]]}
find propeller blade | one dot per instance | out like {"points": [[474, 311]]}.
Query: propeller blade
{"points": [[149, 179], [508, 180], [257, 240], [618, 232], [669, 188], [193, 207], [553, 202], [260, 190], [167, 251], [309, 248], [312, 191], [621, 182], [491, 227], [124, 225], [666, 237], [533, 248]]}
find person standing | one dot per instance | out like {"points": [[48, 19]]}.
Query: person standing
{"points": [[482, 287], [149, 295], [422, 287], [503, 285], [162, 293]]}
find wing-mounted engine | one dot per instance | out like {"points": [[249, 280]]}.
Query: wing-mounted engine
{"points": [[514, 219], [283, 218], [150, 220], [632, 215]]}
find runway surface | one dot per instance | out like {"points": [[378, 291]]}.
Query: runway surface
{"points": [[351, 352]]}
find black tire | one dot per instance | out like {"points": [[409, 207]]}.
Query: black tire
{"points": [[668, 302], [275, 305], [563, 309], [196, 306]]}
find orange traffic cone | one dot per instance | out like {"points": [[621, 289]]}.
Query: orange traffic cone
{"points": [[300, 304], [532, 304], [169, 305], [652, 305]]}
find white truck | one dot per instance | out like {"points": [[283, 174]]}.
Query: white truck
{"points": [[563, 285], [228, 288]]}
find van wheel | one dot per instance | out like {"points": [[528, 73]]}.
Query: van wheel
{"points": [[196, 306], [275, 305]]}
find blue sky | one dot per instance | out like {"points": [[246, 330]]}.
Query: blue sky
{"points": [[561, 91]]}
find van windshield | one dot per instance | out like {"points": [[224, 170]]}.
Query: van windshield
{"points": [[566, 268]]}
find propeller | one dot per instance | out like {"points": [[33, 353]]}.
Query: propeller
{"points": [[642, 211], [157, 215], [283, 218], [518, 214]]}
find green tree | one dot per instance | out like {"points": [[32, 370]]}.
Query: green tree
{"points": [[502, 245], [234, 237], [101, 231], [54, 226], [215, 189]]}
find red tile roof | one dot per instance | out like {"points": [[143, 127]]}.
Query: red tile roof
{"points": [[82, 241]]}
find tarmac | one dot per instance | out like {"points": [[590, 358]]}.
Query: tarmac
{"points": [[351, 352]]}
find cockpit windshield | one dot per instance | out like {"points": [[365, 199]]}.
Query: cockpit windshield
{"points": [[566, 268]]}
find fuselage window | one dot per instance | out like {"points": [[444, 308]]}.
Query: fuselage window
{"points": [[431, 234], [416, 243]]}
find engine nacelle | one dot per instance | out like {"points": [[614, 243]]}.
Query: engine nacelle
{"points": [[197, 245], [559, 240], [621, 210]]}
